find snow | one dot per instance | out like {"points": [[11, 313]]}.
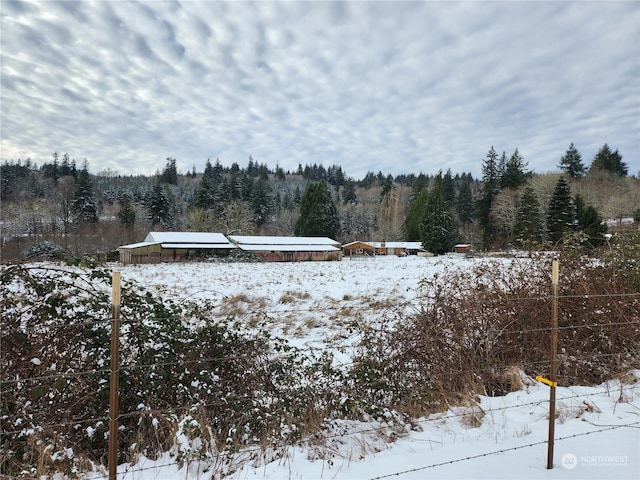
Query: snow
{"points": [[597, 431]]}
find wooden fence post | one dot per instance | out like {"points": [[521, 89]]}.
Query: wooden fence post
{"points": [[115, 376], [554, 363]]}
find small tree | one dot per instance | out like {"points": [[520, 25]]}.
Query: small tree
{"points": [[126, 214], [170, 173], [561, 215], [415, 216], [610, 161], [438, 231], [529, 225], [490, 188], [318, 213], [464, 203], [159, 208], [590, 222], [84, 206], [514, 174], [571, 162]]}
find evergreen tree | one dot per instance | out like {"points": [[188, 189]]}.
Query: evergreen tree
{"points": [[438, 231], [170, 172], [514, 174], [349, 192], [590, 222], [318, 213], [464, 203], [502, 165], [571, 162], [448, 188], [415, 216], [159, 207], [205, 193], [421, 182], [609, 161], [529, 224], [561, 216], [262, 201], [490, 188], [387, 185], [83, 205], [126, 214]]}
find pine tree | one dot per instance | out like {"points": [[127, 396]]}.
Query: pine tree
{"points": [[438, 231], [590, 222], [159, 208], [349, 192], [415, 216], [609, 161], [490, 188], [529, 225], [318, 213], [571, 162], [126, 214], [448, 188], [561, 216], [205, 194], [464, 203], [83, 205], [514, 174], [262, 201], [170, 173]]}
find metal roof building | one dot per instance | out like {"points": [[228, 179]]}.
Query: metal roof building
{"points": [[174, 247], [289, 249]]}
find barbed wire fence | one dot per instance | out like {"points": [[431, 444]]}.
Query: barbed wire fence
{"points": [[7, 382]]}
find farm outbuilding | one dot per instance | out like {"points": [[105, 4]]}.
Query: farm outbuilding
{"points": [[358, 249], [174, 247], [397, 248], [289, 249], [462, 248]]}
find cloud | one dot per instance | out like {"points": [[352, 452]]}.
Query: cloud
{"points": [[399, 87]]}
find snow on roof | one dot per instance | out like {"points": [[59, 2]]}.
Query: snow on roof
{"points": [[272, 241], [410, 245], [186, 237], [287, 248], [357, 242], [137, 245], [199, 245]]}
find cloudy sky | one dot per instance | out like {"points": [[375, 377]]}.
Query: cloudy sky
{"points": [[397, 87]]}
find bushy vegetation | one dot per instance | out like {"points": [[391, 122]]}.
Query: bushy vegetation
{"points": [[220, 387]]}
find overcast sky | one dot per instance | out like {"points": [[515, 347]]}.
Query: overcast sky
{"points": [[370, 86]]}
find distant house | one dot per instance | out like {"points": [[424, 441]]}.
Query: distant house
{"points": [[174, 247], [397, 248], [462, 248], [358, 249], [288, 249]]}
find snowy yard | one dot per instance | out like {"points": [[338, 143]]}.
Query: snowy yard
{"points": [[321, 305]]}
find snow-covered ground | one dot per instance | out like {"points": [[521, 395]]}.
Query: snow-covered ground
{"points": [[315, 305]]}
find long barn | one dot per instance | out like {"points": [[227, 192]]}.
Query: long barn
{"points": [[289, 249], [174, 247]]}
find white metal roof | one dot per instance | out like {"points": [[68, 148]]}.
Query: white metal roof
{"points": [[137, 245], [186, 237], [276, 241], [410, 245], [199, 245], [288, 248]]}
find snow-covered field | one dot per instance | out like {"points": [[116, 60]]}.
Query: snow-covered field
{"points": [[316, 304]]}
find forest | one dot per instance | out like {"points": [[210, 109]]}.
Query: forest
{"points": [[58, 209]]}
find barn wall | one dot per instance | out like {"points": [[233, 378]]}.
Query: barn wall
{"points": [[277, 256]]}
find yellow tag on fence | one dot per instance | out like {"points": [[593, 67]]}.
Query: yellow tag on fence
{"points": [[540, 378]]}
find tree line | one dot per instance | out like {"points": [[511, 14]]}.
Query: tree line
{"points": [[80, 213]]}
